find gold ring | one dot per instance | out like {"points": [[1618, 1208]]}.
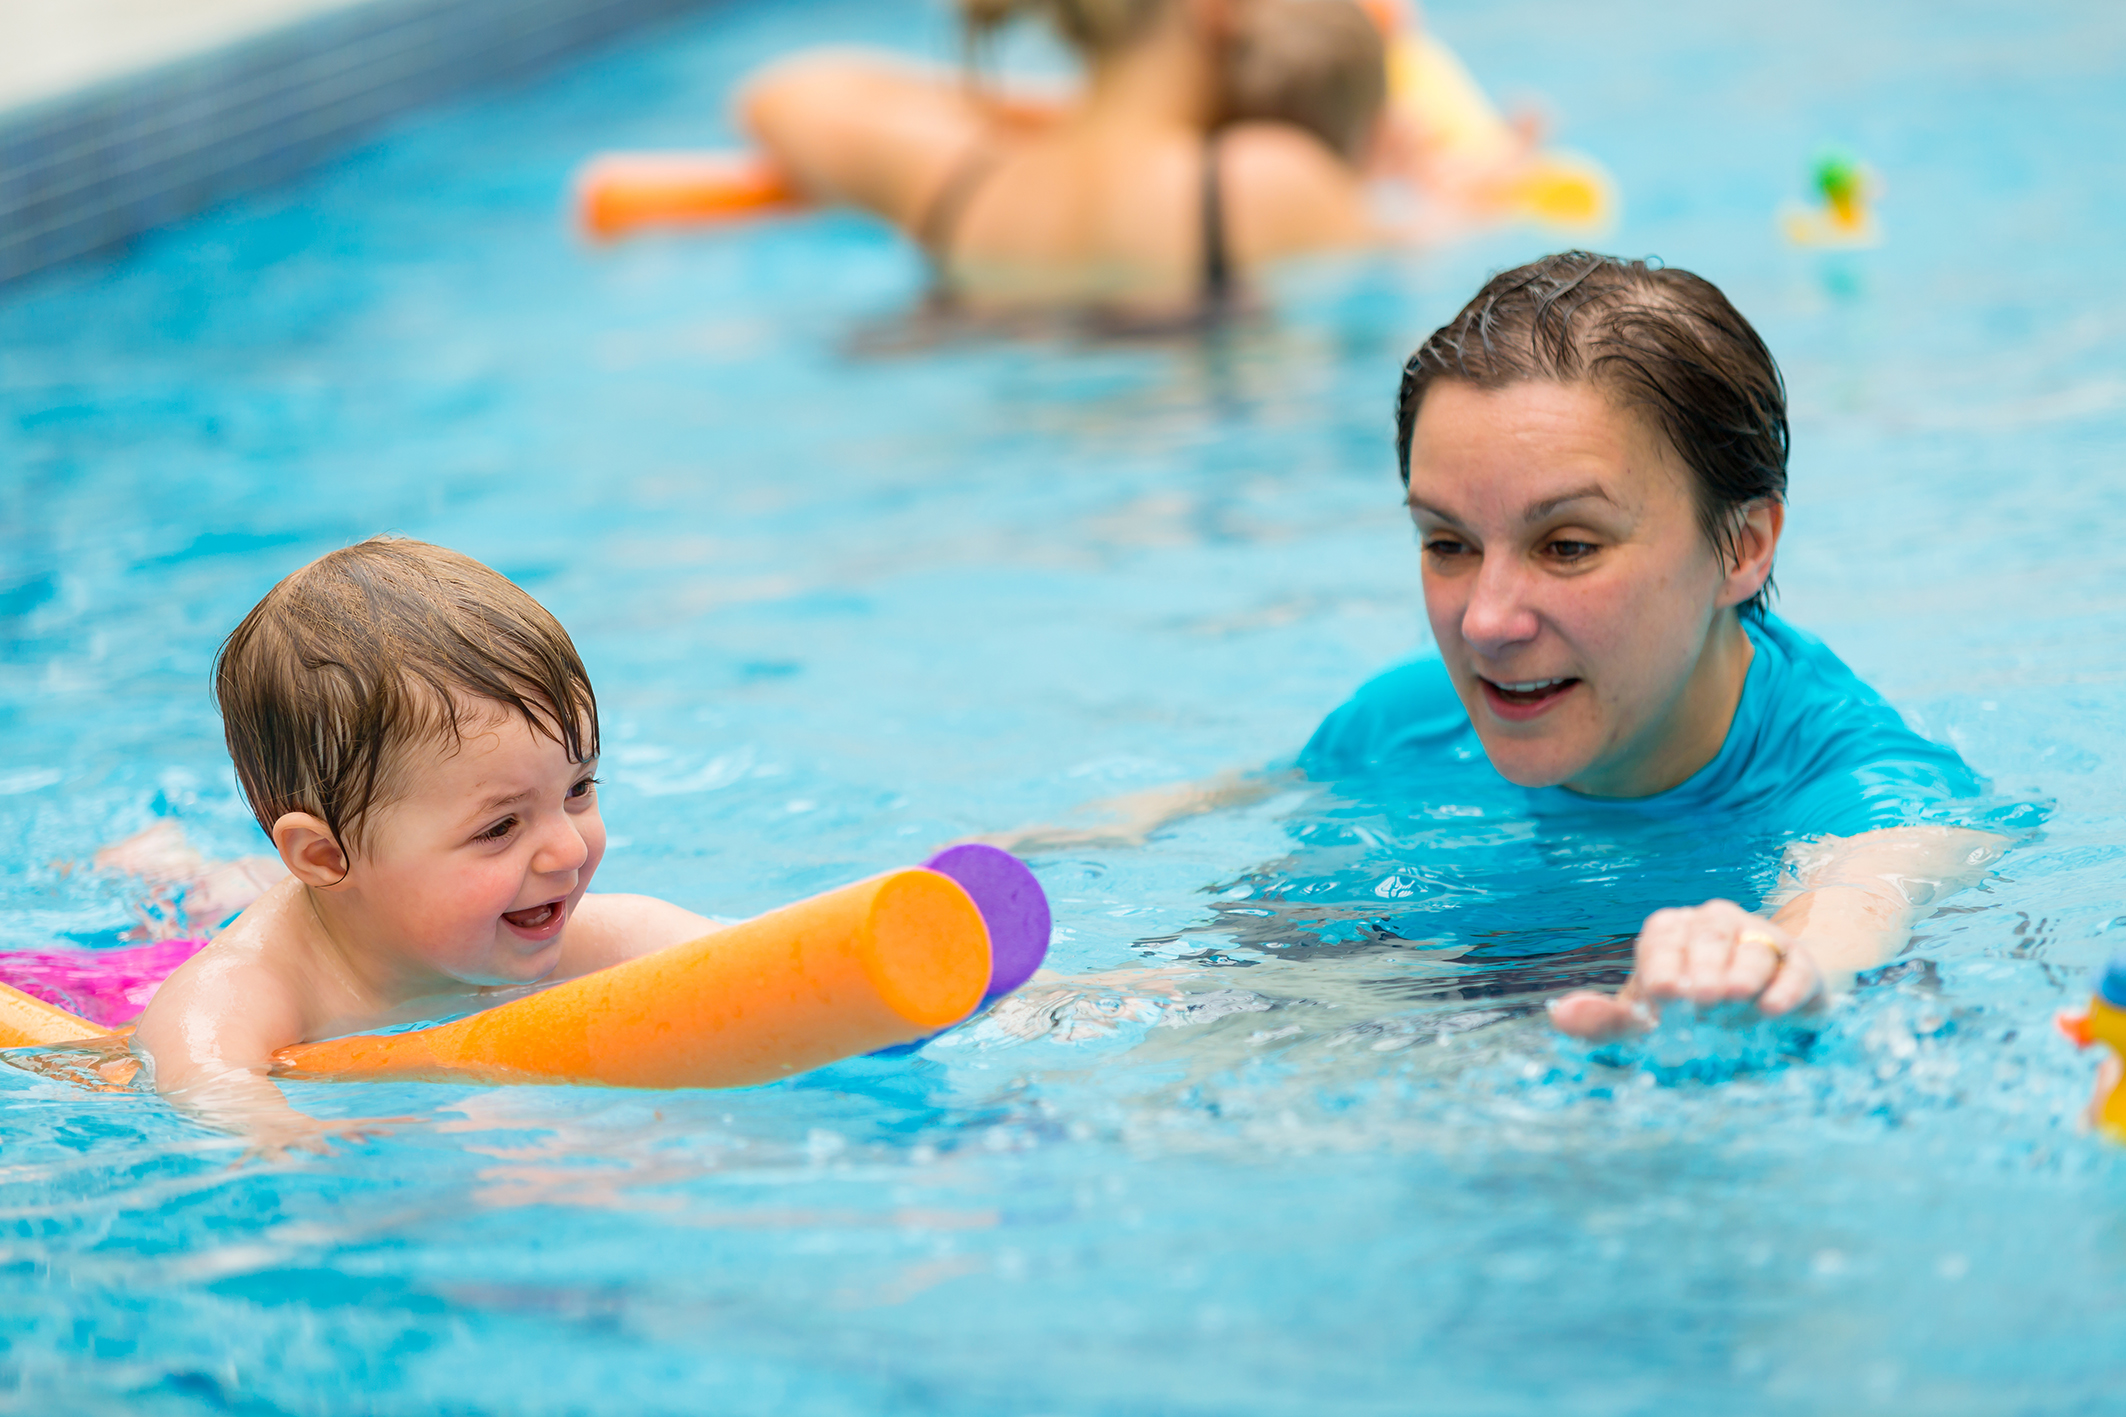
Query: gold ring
{"points": [[1760, 937]]}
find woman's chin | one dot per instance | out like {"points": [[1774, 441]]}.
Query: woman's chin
{"points": [[1532, 765]]}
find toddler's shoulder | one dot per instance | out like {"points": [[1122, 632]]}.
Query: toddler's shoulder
{"points": [[611, 928], [232, 1002]]}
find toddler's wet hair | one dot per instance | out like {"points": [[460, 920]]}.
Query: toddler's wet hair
{"points": [[1663, 343], [371, 650]]}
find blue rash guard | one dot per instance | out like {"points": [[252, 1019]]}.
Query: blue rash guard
{"points": [[1812, 750], [1418, 839]]}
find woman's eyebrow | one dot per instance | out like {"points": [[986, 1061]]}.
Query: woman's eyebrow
{"points": [[1535, 511], [1431, 511], [1539, 510]]}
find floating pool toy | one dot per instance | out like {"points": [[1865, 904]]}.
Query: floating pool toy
{"points": [[1015, 909], [1843, 216], [27, 1021], [104, 987], [2105, 1022], [1013, 906], [885, 961], [1463, 131], [618, 194]]}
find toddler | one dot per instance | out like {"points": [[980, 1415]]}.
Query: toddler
{"points": [[419, 739]]}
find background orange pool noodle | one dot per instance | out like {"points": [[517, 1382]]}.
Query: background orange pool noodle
{"points": [[880, 962], [619, 193]]}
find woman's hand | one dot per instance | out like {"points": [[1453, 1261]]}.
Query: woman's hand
{"points": [[1850, 905], [1708, 954]]}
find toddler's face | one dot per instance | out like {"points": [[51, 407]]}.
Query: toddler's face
{"points": [[474, 871]]}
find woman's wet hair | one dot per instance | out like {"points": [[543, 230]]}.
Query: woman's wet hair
{"points": [[372, 650], [1663, 343], [1320, 65], [1093, 26]]}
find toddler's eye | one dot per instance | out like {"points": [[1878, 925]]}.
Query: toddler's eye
{"points": [[583, 788], [499, 830]]}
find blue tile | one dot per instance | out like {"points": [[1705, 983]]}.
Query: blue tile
{"points": [[109, 162]]}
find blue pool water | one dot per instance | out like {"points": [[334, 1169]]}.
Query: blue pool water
{"points": [[846, 596]]}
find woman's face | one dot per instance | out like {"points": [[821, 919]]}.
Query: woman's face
{"points": [[1575, 599]]}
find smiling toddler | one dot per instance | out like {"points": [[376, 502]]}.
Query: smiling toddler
{"points": [[419, 739]]}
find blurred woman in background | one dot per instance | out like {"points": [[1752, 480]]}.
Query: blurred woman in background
{"points": [[1210, 137]]}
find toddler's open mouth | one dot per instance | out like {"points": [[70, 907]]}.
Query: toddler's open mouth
{"points": [[535, 920]]}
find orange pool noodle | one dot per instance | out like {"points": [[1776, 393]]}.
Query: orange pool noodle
{"points": [[620, 193], [884, 961], [880, 962], [28, 1022]]}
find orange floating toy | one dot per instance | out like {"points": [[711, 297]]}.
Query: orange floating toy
{"points": [[618, 194], [885, 961], [28, 1022]]}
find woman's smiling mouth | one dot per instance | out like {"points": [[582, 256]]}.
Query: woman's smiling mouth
{"points": [[1517, 702], [537, 922]]}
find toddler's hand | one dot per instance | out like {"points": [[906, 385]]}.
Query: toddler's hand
{"points": [[279, 1138]]}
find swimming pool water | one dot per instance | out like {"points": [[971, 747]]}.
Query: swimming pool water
{"points": [[847, 595]]}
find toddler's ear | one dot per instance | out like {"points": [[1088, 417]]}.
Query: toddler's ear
{"points": [[308, 850]]}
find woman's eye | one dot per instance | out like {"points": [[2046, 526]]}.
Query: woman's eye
{"points": [[583, 788], [1571, 550], [1445, 546], [499, 830]]}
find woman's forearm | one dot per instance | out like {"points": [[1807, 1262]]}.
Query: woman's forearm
{"points": [[863, 129], [1849, 905], [1854, 901], [1848, 928]]}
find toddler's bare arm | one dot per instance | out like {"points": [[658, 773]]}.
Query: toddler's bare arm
{"points": [[210, 1036]]}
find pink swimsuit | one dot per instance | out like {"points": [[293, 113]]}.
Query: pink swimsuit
{"points": [[107, 987]]}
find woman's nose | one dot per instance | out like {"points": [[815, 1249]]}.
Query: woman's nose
{"points": [[1497, 615]]}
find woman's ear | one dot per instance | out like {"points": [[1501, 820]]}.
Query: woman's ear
{"points": [[309, 851], [1755, 541]]}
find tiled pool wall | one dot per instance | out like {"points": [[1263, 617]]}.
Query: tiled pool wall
{"points": [[91, 168]]}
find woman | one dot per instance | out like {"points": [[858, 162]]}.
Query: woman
{"points": [[1142, 197], [1595, 457]]}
